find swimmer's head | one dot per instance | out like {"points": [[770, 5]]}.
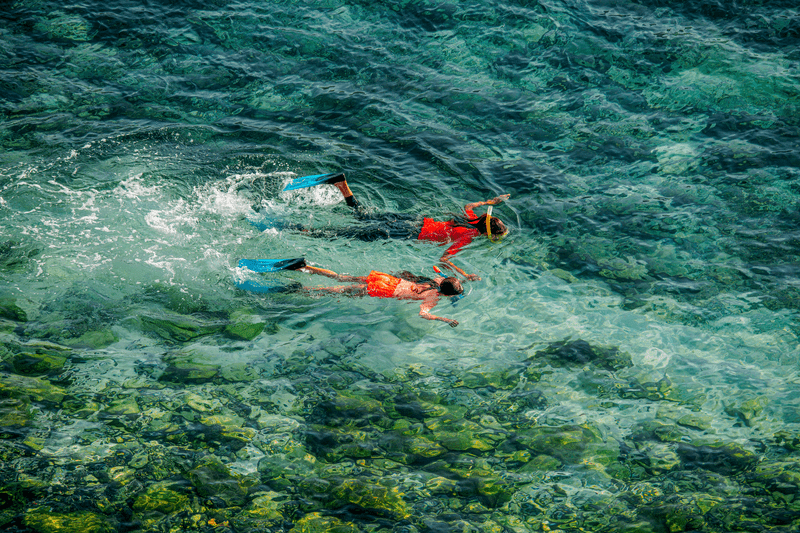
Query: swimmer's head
{"points": [[496, 226], [450, 287]]}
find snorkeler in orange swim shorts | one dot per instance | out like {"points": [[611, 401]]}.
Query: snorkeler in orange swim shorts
{"points": [[404, 286]]}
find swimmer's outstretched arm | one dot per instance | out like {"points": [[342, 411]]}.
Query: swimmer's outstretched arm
{"points": [[494, 201], [427, 305], [445, 260]]}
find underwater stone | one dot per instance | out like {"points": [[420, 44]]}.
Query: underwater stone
{"points": [[695, 421], [346, 409], [371, 497], [494, 491], [93, 340], [580, 353], [177, 328], [159, 497], [14, 412], [724, 459], [748, 410], [10, 310], [264, 511], [186, 371], [649, 390], [566, 443], [30, 389], [317, 523], [42, 520], [463, 435], [783, 476], [31, 363], [244, 325], [123, 406], [212, 478], [504, 380]]}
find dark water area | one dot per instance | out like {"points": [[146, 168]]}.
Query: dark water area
{"points": [[628, 361]]}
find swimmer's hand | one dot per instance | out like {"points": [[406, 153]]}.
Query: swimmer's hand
{"points": [[453, 323], [498, 199], [472, 277]]}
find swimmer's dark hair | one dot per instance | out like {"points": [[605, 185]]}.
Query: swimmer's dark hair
{"points": [[450, 287], [498, 228]]}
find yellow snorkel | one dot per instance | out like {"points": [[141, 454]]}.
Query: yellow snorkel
{"points": [[489, 227]]}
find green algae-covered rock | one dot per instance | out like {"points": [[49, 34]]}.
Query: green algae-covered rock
{"points": [[244, 325], [318, 523], [461, 435], [660, 389], [504, 379], [212, 478], [371, 498], [264, 511], [695, 421], [43, 521], [14, 412], [93, 340], [177, 299], [748, 410], [541, 462], [11, 311], [160, 498], [722, 458], [494, 491], [184, 370], [228, 430], [30, 389], [346, 408], [282, 471], [334, 444], [34, 363], [580, 353], [566, 443], [179, 328]]}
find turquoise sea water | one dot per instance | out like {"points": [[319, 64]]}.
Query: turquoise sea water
{"points": [[627, 363]]}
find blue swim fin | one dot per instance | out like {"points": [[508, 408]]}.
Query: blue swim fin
{"points": [[316, 179], [272, 265]]}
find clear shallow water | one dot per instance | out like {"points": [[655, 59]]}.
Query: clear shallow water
{"points": [[651, 156]]}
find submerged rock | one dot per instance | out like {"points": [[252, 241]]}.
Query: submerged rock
{"points": [[161, 498], [264, 511], [580, 353], [35, 364], [247, 325], [723, 458], [318, 523], [43, 521], [748, 410], [370, 497], [11, 311], [184, 370], [179, 328], [211, 478]]}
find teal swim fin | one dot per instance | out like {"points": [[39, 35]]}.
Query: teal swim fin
{"points": [[316, 179], [272, 265]]}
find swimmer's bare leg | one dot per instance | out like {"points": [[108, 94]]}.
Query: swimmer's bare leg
{"points": [[331, 274], [347, 290], [347, 194]]}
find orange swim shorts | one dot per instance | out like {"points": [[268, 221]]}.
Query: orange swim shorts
{"points": [[381, 285]]}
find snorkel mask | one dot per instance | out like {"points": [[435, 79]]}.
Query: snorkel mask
{"points": [[489, 227]]}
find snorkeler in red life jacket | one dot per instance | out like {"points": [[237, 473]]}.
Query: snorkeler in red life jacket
{"points": [[458, 231]]}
